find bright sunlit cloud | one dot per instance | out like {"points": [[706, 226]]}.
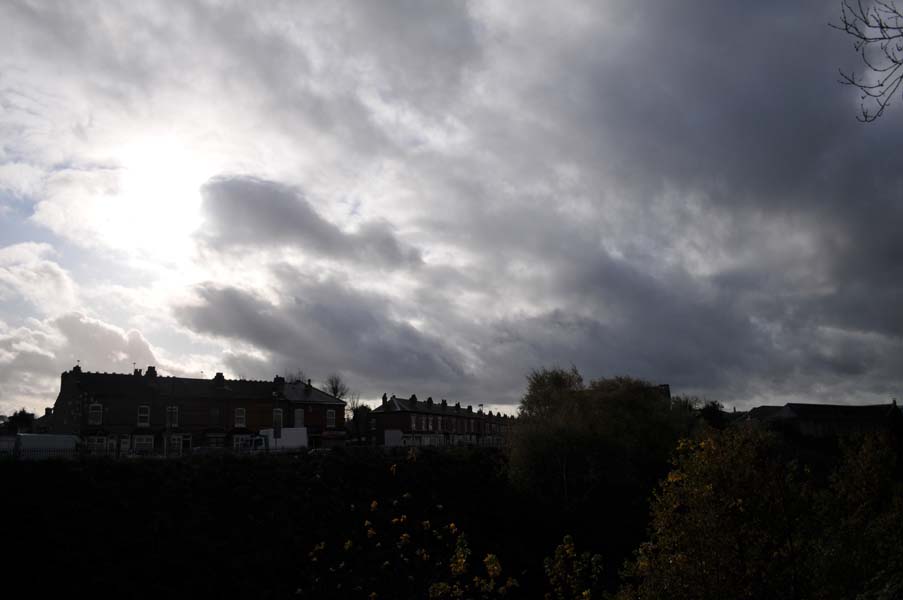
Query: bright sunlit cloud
{"points": [[156, 207]]}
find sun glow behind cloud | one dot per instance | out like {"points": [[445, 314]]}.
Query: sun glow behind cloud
{"points": [[156, 206]]}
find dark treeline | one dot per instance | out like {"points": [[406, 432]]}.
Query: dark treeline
{"points": [[607, 489]]}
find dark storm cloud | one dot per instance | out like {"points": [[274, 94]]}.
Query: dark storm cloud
{"points": [[244, 212], [322, 326], [676, 191], [712, 127]]}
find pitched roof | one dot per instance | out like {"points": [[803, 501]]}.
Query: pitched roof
{"points": [[302, 392], [412, 404], [823, 412], [218, 388]]}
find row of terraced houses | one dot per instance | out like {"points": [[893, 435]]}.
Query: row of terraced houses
{"points": [[144, 413]]}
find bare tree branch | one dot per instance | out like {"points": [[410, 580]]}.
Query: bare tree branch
{"points": [[877, 33], [336, 386]]}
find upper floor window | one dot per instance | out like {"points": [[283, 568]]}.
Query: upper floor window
{"points": [[277, 418], [95, 414], [144, 415], [330, 418], [299, 417], [172, 416], [413, 422], [240, 417]]}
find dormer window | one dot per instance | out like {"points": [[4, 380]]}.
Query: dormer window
{"points": [[95, 414]]}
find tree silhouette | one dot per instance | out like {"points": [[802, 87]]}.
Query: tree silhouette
{"points": [[336, 386], [295, 376], [877, 33]]}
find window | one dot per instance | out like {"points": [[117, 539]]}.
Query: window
{"points": [[431, 423], [144, 415], [239, 417], [97, 444], [172, 416], [413, 422], [123, 444], [241, 442], [439, 425], [372, 423], [216, 440], [299, 417], [277, 418], [95, 414], [214, 417], [143, 444], [330, 418]]}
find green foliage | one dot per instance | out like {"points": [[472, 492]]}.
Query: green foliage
{"points": [[548, 390], [590, 455], [572, 575], [861, 517], [738, 517], [20, 421], [400, 548], [712, 412], [727, 522]]}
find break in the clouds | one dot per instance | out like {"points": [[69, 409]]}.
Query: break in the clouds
{"points": [[437, 197]]}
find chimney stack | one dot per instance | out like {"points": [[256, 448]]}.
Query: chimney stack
{"points": [[151, 371], [385, 400]]}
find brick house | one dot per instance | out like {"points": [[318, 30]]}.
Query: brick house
{"points": [[121, 414], [411, 422]]}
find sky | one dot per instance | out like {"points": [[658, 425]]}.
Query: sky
{"points": [[436, 197]]}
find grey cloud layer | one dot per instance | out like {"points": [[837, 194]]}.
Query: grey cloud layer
{"points": [[323, 326], [244, 212], [675, 191], [33, 355]]}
